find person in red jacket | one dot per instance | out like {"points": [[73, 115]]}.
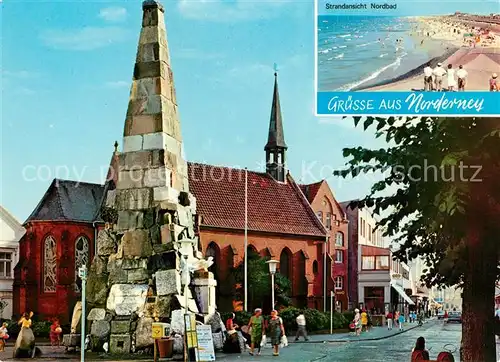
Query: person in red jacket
{"points": [[389, 318]]}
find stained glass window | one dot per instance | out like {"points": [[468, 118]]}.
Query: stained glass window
{"points": [[49, 265], [81, 256]]}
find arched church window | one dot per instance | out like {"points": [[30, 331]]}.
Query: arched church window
{"points": [[49, 264], [81, 256]]}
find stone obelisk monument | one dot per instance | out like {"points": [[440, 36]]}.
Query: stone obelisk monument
{"points": [[135, 277]]}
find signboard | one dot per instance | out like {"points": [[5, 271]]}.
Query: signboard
{"points": [[160, 330], [206, 350]]}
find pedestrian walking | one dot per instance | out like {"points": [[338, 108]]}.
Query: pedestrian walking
{"points": [[364, 321], [55, 333], [256, 326], [357, 321], [396, 318], [277, 331], [389, 320], [4, 336], [301, 327], [401, 321]]}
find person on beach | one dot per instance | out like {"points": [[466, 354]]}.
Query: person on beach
{"points": [[428, 78], [256, 324], [462, 78], [439, 72], [452, 83], [276, 330], [494, 87]]}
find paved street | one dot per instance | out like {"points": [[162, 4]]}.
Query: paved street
{"points": [[395, 348]]}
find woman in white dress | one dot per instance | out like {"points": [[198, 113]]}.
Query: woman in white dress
{"points": [[452, 83]]}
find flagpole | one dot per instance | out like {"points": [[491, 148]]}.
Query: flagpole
{"points": [[246, 240]]}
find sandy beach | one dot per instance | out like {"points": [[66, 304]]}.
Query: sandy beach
{"points": [[477, 45]]}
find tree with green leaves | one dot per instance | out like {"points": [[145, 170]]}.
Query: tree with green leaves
{"points": [[439, 199], [259, 283]]}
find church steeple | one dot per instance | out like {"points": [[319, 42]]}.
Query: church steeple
{"points": [[276, 147]]}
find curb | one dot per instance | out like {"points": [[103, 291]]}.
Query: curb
{"points": [[358, 340]]}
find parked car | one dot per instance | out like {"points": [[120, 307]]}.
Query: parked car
{"points": [[441, 314], [455, 317]]}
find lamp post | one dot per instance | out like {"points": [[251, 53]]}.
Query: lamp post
{"points": [[183, 246], [82, 273], [272, 270], [332, 296]]}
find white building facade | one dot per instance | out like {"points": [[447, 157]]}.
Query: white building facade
{"points": [[11, 231], [382, 282]]}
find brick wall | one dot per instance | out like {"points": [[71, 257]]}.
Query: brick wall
{"points": [[325, 203], [230, 243], [28, 276]]}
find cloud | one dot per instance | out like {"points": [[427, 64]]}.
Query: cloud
{"points": [[230, 11], [113, 14], [87, 38], [117, 84]]}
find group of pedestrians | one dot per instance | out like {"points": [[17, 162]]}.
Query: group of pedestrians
{"points": [[255, 332], [456, 79], [433, 78], [396, 319], [361, 322]]}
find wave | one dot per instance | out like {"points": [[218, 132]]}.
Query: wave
{"points": [[340, 56], [326, 51], [342, 46], [383, 55], [344, 36], [366, 44], [395, 64]]}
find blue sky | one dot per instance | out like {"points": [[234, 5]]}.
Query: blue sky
{"points": [[415, 7], [66, 75]]}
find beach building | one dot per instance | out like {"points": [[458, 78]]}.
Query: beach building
{"points": [[11, 231]]}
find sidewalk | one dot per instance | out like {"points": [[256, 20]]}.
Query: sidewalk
{"points": [[374, 334]]}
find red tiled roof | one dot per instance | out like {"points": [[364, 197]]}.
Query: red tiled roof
{"points": [[311, 190], [272, 206]]}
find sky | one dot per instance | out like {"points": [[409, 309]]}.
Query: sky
{"points": [[66, 76], [415, 7]]}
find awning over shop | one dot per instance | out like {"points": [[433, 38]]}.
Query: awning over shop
{"points": [[402, 293]]}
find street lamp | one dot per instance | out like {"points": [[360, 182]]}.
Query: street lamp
{"points": [[82, 273], [183, 247], [272, 270]]}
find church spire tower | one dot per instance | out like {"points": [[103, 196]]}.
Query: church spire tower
{"points": [[276, 147]]}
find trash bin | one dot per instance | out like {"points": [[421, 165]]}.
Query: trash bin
{"points": [[165, 347]]}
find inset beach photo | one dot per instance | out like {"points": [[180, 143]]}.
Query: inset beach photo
{"points": [[370, 49]]}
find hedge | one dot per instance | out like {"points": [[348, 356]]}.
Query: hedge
{"points": [[40, 328]]}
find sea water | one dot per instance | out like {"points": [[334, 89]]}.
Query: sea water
{"points": [[359, 51]]}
